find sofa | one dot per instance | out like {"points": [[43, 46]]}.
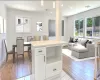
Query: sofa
{"points": [[82, 48]]}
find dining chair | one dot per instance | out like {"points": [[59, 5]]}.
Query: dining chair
{"points": [[29, 38], [45, 37], [5, 44], [19, 38], [7, 53], [20, 47], [37, 38]]}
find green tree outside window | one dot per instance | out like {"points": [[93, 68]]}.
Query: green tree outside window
{"points": [[89, 22]]}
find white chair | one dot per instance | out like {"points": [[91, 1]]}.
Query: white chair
{"points": [[29, 38], [19, 38], [7, 53], [20, 47], [45, 37], [37, 38]]}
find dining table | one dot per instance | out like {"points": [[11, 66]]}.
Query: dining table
{"points": [[28, 44]]}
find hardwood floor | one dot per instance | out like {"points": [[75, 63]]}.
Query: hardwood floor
{"points": [[13, 71], [78, 70]]}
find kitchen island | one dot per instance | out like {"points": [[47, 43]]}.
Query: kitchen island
{"points": [[46, 59]]}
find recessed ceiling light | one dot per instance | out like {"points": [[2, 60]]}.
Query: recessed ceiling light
{"points": [[42, 2], [62, 5], [53, 4]]}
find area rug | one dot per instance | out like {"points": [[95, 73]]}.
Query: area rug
{"points": [[68, 53]]}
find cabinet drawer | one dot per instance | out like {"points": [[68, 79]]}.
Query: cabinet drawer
{"points": [[39, 51], [53, 69]]}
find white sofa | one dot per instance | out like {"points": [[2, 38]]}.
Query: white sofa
{"points": [[80, 51]]}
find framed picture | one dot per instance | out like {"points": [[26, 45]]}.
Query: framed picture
{"points": [[19, 21], [39, 26], [25, 20], [26, 25]]}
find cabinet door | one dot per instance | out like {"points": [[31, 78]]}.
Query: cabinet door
{"points": [[40, 67]]}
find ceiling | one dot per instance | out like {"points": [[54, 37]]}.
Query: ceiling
{"points": [[68, 7]]}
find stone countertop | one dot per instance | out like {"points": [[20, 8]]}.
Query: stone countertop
{"points": [[47, 43]]}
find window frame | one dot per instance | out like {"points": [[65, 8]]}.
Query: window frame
{"points": [[79, 26], [86, 28], [92, 27]]}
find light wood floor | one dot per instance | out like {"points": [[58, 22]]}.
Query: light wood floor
{"points": [[81, 70]]}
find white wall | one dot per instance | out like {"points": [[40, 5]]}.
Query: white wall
{"points": [[70, 20], [34, 17], [2, 14], [2, 9]]}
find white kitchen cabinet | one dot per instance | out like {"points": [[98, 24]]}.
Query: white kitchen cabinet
{"points": [[39, 67], [38, 60], [46, 59], [53, 69]]}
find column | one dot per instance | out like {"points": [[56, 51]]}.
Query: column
{"points": [[58, 20]]}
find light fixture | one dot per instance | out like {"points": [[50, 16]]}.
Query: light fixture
{"points": [[42, 2], [62, 5], [53, 4]]}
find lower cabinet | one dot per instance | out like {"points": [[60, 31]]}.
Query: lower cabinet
{"points": [[46, 62], [53, 69], [39, 67]]}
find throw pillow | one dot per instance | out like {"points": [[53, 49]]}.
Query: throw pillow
{"points": [[76, 40], [90, 42], [82, 41], [71, 40], [85, 44]]}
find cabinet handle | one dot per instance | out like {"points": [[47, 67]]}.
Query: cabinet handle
{"points": [[44, 58], [54, 69], [40, 51]]}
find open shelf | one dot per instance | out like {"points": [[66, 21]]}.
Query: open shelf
{"points": [[53, 54], [53, 59]]}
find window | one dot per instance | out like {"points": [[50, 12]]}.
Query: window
{"points": [[2, 25], [79, 30], [89, 27], [92, 28], [96, 26], [22, 24]]}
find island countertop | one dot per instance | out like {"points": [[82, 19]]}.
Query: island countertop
{"points": [[47, 43]]}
